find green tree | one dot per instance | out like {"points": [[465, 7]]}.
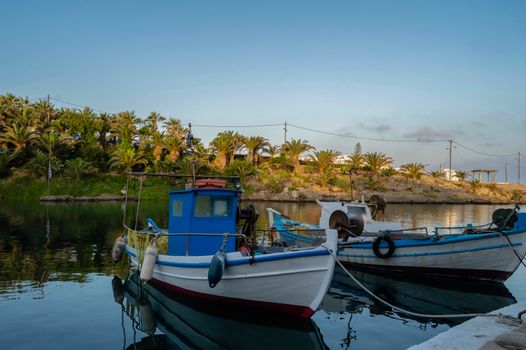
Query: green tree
{"points": [[224, 145], [294, 149], [123, 127], [78, 168], [413, 170], [254, 145], [462, 175], [375, 161], [126, 157], [323, 161], [18, 136]]}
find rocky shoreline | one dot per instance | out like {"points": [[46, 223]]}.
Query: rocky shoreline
{"points": [[312, 196]]}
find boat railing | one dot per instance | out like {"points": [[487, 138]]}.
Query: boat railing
{"points": [[462, 228], [160, 234], [291, 238], [414, 232]]}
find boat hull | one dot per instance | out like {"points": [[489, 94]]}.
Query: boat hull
{"points": [[191, 323], [292, 283], [478, 256]]}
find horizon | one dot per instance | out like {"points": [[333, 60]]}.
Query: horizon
{"points": [[381, 70]]}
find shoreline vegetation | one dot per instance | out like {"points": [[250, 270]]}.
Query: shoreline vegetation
{"points": [[87, 154]]}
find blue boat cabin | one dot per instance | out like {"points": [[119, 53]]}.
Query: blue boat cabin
{"points": [[200, 211]]}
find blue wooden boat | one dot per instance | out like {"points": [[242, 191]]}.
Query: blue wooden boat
{"points": [[487, 252], [212, 251]]}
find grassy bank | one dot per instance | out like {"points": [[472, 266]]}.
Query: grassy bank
{"points": [[395, 189], [27, 187]]}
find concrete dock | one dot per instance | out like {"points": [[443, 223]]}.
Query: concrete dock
{"points": [[486, 333]]}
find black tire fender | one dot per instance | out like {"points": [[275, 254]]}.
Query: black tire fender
{"points": [[376, 247]]}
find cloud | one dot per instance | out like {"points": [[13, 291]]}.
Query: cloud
{"points": [[478, 124], [490, 144], [378, 128], [427, 134]]}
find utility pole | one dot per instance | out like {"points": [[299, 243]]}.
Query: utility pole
{"points": [[519, 168], [285, 136], [506, 172], [450, 152]]}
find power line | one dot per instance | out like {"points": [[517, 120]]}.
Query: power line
{"points": [[364, 138], [236, 126], [77, 105], [485, 154]]}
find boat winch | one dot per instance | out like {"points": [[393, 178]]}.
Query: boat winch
{"points": [[347, 224], [504, 218]]}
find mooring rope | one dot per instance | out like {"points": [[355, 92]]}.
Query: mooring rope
{"points": [[399, 309], [507, 239]]}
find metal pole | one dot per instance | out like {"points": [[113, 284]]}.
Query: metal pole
{"points": [[285, 135], [519, 168], [450, 151], [138, 204]]}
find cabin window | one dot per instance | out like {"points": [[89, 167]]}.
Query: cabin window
{"points": [[177, 208], [218, 206]]}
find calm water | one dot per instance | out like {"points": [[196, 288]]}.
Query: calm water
{"points": [[56, 290]]}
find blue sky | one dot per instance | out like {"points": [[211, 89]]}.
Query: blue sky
{"points": [[375, 69]]}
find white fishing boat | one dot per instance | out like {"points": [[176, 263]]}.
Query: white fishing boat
{"points": [[487, 252], [211, 250]]}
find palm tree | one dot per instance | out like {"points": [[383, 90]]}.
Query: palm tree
{"points": [[462, 175], [174, 146], [51, 141], [437, 174], [174, 128], [375, 161], [225, 145], [17, 135], [124, 126], [294, 149], [356, 161], [324, 162], [221, 146], [126, 157], [272, 150], [413, 170], [255, 144], [153, 120]]}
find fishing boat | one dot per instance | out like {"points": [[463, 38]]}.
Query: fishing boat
{"points": [[491, 251], [172, 321], [211, 250]]}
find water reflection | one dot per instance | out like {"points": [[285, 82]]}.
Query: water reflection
{"points": [[433, 296], [196, 325], [55, 268]]}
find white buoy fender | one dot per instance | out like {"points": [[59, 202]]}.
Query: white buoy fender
{"points": [[118, 248], [150, 256]]}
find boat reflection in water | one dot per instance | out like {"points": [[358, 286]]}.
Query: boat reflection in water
{"points": [[433, 296], [188, 325]]}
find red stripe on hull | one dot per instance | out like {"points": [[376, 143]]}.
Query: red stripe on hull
{"points": [[487, 275], [263, 306]]}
